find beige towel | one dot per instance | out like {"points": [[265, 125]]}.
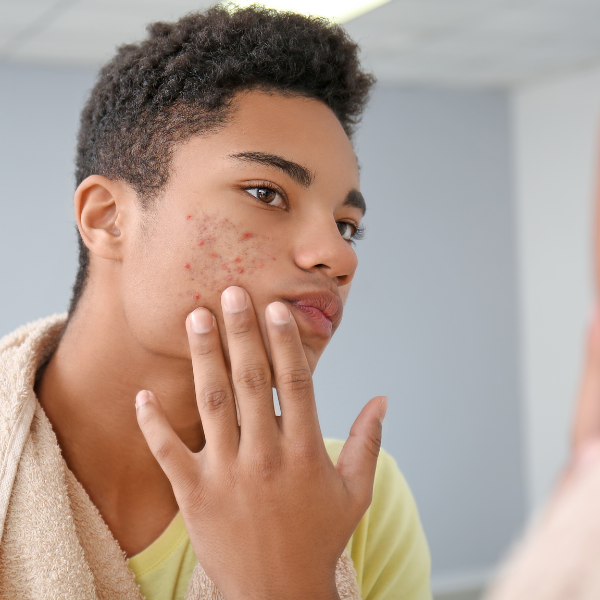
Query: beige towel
{"points": [[54, 543]]}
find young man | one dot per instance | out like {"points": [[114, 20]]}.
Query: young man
{"points": [[217, 202]]}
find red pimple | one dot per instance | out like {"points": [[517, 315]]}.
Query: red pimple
{"points": [[213, 255], [247, 236], [186, 266], [261, 264], [188, 217], [238, 259], [196, 296], [200, 242], [240, 270]]}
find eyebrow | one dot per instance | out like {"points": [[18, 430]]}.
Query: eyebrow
{"points": [[357, 200], [297, 172]]}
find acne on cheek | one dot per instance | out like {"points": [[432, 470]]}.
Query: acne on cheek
{"points": [[222, 253]]}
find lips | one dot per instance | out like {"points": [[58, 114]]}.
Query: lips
{"points": [[321, 310]]}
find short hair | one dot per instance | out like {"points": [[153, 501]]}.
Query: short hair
{"points": [[180, 81]]}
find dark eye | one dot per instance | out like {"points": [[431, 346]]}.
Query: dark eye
{"points": [[267, 195], [347, 230]]}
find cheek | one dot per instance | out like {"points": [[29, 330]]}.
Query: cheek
{"points": [[165, 284], [344, 291], [222, 254]]}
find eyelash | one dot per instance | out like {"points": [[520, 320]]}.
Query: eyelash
{"points": [[359, 230], [359, 233], [266, 185]]}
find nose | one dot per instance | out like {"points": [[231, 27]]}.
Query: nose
{"points": [[321, 248]]}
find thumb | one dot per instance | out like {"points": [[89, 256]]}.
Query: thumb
{"points": [[358, 459], [172, 454]]}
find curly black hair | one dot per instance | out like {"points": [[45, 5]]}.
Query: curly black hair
{"points": [[180, 81]]}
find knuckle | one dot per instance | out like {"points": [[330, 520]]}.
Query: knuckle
{"points": [[241, 325], [265, 466], [373, 444], [214, 399], [296, 379], [306, 453], [163, 451], [254, 379], [203, 346]]}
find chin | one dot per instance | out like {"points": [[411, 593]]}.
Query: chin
{"points": [[312, 355]]}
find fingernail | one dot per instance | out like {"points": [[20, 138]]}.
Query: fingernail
{"points": [[202, 320], [234, 299], [382, 409], [141, 398], [278, 313]]}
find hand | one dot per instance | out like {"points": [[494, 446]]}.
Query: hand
{"points": [[268, 514], [559, 558]]}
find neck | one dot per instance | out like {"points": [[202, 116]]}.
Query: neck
{"points": [[88, 393]]}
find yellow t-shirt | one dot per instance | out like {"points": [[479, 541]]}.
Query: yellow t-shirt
{"points": [[388, 547]]}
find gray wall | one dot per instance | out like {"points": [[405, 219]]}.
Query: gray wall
{"points": [[39, 113], [431, 320]]}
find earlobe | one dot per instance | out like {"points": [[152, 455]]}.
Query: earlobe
{"points": [[99, 210]]}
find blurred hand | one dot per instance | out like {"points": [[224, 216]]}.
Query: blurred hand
{"points": [[267, 512], [560, 557]]}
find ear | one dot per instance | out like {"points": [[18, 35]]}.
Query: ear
{"points": [[100, 208]]}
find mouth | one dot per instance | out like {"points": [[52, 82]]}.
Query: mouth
{"points": [[320, 310]]}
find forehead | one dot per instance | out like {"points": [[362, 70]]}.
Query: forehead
{"points": [[300, 129]]}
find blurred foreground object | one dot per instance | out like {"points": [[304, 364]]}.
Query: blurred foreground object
{"points": [[559, 559]]}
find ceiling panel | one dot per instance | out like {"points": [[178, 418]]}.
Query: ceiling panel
{"points": [[16, 16], [431, 42], [90, 30]]}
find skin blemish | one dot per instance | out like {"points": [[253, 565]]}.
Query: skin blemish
{"points": [[240, 270], [188, 217], [247, 236], [261, 264], [238, 259], [200, 242], [213, 255], [186, 266], [225, 267], [196, 297]]}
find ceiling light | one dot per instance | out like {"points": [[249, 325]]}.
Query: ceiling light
{"points": [[336, 10]]}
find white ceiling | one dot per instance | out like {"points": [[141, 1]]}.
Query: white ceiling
{"points": [[430, 42]]}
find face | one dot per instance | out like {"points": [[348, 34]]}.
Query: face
{"points": [[270, 203]]}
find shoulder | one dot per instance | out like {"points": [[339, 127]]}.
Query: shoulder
{"points": [[388, 547]]}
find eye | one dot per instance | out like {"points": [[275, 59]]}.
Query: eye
{"points": [[267, 195], [349, 231]]}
